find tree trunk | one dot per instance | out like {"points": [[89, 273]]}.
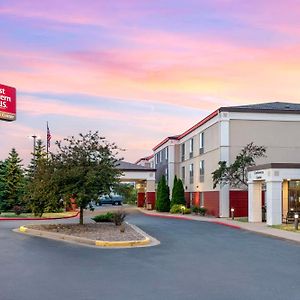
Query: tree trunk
{"points": [[81, 215]]}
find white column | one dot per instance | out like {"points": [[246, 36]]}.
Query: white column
{"points": [[254, 202], [224, 156], [274, 202], [224, 201]]}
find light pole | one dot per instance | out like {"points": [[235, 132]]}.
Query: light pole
{"points": [[34, 140]]}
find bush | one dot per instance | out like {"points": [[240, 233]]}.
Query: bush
{"points": [[18, 209], [162, 196], [108, 217], [195, 209], [202, 211], [180, 209], [119, 217]]}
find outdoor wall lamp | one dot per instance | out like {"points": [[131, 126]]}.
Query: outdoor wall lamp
{"points": [[296, 217], [232, 213]]}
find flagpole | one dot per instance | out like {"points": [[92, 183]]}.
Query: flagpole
{"points": [[47, 140]]}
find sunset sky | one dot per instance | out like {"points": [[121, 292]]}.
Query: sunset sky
{"points": [[141, 70]]}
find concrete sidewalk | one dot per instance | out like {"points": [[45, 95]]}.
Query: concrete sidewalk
{"points": [[261, 228]]}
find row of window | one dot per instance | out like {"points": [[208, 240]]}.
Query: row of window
{"points": [[191, 172], [191, 147], [161, 155]]}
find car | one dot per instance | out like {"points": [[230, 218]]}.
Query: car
{"points": [[111, 199]]}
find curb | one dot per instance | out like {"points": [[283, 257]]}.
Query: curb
{"points": [[38, 219], [146, 242]]}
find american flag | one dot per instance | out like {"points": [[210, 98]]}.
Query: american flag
{"points": [[48, 136]]}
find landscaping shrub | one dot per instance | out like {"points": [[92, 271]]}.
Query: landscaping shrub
{"points": [[202, 211], [195, 209], [178, 192], [108, 217], [17, 209], [179, 209], [162, 196], [119, 217]]}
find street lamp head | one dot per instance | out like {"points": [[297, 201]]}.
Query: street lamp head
{"points": [[232, 209], [296, 216]]}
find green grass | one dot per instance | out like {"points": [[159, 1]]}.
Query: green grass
{"points": [[240, 219], [287, 227], [45, 215]]}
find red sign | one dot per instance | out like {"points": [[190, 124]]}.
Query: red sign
{"points": [[7, 103]]}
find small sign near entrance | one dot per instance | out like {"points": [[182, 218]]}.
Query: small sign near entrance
{"points": [[7, 103], [259, 174]]}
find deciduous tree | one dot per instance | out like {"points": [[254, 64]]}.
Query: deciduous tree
{"points": [[236, 173]]}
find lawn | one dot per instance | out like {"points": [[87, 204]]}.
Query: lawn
{"points": [[45, 215], [287, 227]]}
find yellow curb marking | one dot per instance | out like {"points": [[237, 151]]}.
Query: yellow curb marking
{"points": [[146, 241], [22, 229]]}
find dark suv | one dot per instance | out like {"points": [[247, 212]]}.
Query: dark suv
{"points": [[111, 199]]}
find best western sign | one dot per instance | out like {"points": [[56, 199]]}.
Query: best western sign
{"points": [[7, 103]]}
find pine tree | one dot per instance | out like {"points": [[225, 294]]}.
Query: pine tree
{"points": [[14, 180], [163, 196], [39, 154], [178, 192], [3, 184], [174, 191]]}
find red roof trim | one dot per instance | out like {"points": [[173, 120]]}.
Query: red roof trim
{"points": [[209, 117], [164, 141], [145, 158]]}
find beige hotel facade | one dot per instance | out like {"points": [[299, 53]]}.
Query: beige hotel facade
{"points": [[194, 154]]}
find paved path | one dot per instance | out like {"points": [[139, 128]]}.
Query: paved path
{"points": [[195, 260]]}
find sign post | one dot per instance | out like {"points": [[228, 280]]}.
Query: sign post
{"points": [[7, 103]]}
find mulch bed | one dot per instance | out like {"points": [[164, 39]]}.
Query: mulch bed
{"points": [[98, 231]]}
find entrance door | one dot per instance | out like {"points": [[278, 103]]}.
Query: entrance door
{"points": [[294, 195]]}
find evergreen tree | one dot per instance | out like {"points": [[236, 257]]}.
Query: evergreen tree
{"points": [[174, 191], [14, 180], [178, 192], [163, 196], [3, 184], [39, 153], [42, 193]]}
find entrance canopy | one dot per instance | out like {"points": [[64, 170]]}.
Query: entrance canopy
{"points": [[143, 177], [282, 181]]}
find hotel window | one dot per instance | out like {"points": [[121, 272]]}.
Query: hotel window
{"points": [[201, 142], [166, 153], [183, 174], [156, 158], [167, 175], [183, 152], [159, 156], [201, 167], [191, 173], [191, 147]]}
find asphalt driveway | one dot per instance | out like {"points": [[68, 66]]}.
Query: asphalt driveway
{"points": [[195, 260]]}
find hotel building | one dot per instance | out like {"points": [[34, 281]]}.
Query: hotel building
{"points": [[194, 154]]}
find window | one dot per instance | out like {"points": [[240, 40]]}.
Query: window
{"points": [[156, 158], [160, 156], [191, 173], [167, 174], [183, 152], [201, 167], [183, 174], [201, 142], [191, 147], [166, 153]]}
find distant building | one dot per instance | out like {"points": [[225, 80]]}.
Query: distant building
{"points": [[194, 154]]}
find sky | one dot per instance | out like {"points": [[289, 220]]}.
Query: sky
{"points": [[139, 70]]}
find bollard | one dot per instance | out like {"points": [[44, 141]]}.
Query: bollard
{"points": [[232, 213], [296, 217]]}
